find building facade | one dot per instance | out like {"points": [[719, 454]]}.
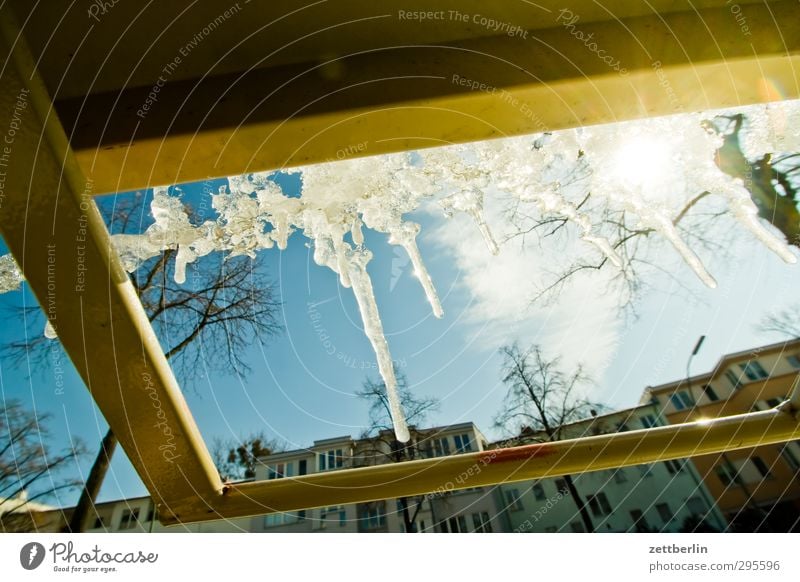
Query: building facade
{"points": [[667, 496], [757, 488], [469, 510]]}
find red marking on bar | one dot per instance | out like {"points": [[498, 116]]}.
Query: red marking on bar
{"points": [[517, 453]]}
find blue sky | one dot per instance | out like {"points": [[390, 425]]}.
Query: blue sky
{"points": [[303, 381]]}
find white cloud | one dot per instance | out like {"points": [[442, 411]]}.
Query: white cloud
{"points": [[582, 325]]}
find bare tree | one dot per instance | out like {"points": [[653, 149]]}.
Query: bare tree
{"points": [[541, 400], [204, 325], [29, 468], [785, 322], [380, 433], [772, 180], [237, 459]]}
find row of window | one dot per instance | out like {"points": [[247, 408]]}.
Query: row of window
{"points": [[601, 508], [752, 370], [458, 524], [334, 458], [129, 520], [754, 469]]}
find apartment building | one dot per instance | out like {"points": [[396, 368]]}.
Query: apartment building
{"points": [[666, 496], [756, 488], [470, 510]]}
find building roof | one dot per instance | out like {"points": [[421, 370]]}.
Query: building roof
{"points": [[723, 363]]}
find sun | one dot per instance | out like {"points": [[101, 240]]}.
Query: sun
{"points": [[643, 160]]}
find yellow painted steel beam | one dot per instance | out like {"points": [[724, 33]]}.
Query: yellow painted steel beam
{"points": [[570, 70], [494, 466], [57, 236], [53, 228]]}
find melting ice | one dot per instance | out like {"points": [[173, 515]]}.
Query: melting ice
{"points": [[342, 198]]}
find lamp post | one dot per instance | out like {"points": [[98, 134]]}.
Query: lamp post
{"points": [[696, 349]]}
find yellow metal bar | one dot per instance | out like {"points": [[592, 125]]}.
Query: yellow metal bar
{"points": [[493, 466], [58, 238], [408, 93], [53, 228]]}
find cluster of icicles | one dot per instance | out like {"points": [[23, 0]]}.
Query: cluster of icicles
{"points": [[341, 198]]}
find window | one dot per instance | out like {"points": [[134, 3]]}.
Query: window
{"points": [[622, 427], [371, 515], [481, 523], [561, 485], [682, 400], [100, 522], [790, 457], [441, 447], [538, 491], [280, 470], [794, 361], [463, 443], [674, 466], [710, 394], [599, 504], [513, 500], [727, 474], [753, 370], [773, 402], [302, 467], [761, 466], [649, 421], [619, 476], [456, 524], [664, 512], [639, 521], [130, 519], [336, 515], [279, 519], [577, 526], [646, 470], [735, 380], [333, 459], [696, 506]]}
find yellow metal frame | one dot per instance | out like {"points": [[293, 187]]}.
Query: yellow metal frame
{"points": [[53, 229]]}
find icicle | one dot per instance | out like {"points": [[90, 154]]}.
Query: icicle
{"points": [[405, 235], [10, 275], [356, 232], [365, 297], [664, 226], [50, 331], [470, 201], [746, 213]]}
